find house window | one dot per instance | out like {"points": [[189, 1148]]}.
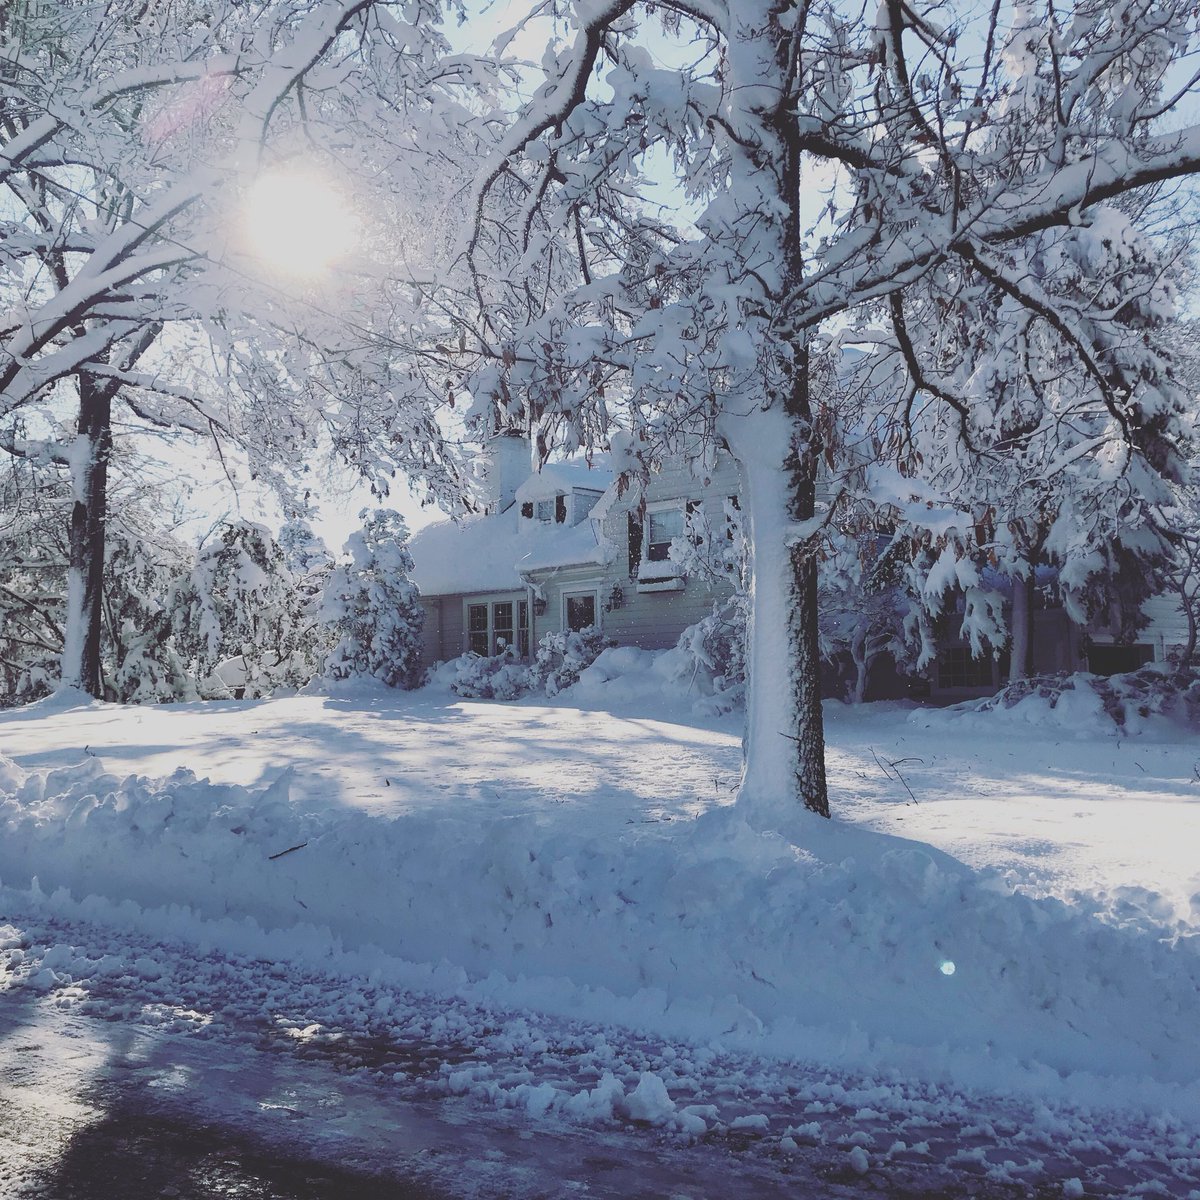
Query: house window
{"points": [[663, 526], [956, 668], [490, 628], [543, 510], [502, 626], [1116, 660], [733, 517], [477, 628], [579, 610]]}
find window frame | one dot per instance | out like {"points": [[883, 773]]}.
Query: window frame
{"points": [[574, 592], [958, 670], [516, 632], [657, 509]]}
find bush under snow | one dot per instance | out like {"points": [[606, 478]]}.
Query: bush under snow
{"points": [[1131, 703]]}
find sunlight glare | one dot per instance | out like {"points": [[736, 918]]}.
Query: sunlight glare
{"points": [[296, 221], [947, 968]]}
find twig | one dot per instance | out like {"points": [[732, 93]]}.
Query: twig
{"points": [[904, 783], [272, 857], [893, 768]]}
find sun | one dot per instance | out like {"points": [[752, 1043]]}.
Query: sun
{"points": [[297, 222]]}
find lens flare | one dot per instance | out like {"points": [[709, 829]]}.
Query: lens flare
{"points": [[947, 968], [297, 222]]}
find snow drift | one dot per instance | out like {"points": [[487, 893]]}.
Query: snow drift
{"points": [[854, 947]]}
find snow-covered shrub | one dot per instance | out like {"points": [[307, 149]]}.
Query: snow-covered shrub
{"points": [[372, 607], [1127, 700], [143, 571], [562, 656], [716, 646], [144, 566], [34, 508], [240, 602], [496, 677]]}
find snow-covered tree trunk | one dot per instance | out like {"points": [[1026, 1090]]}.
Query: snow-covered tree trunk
{"points": [[860, 654], [777, 448], [85, 581], [779, 725]]}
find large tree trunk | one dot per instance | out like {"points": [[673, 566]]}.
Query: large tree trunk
{"points": [[1020, 664], [776, 441], [785, 744], [89, 482], [803, 628]]}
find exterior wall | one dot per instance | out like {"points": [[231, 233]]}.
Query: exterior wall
{"points": [[654, 620], [445, 632], [1167, 627], [431, 632], [555, 585]]}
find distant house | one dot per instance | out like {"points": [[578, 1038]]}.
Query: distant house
{"points": [[563, 548], [559, 549]]}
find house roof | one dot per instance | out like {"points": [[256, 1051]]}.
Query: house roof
{"points": [[575, 472], [489, 553]]}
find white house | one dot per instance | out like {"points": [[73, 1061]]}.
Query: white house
{"points": [[565, 547], [561, 548]]}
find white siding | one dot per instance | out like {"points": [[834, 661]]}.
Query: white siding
{"points": [[1167, 626], [654, 620]]}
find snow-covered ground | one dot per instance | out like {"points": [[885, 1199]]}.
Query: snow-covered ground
{"points": [[993, 941]]}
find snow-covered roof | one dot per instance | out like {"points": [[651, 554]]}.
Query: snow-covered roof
{"points": [[488, 554], [558, 477]]}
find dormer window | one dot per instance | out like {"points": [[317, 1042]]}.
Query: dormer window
{"points": [[549, 512]]}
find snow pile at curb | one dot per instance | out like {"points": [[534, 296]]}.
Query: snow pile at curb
{"points": [[856, 948]]}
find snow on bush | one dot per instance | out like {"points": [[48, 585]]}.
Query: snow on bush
{"points": [[372, 606], [239, 615], [488, 677], [1131, 703], [716, 645], [562, 657]]}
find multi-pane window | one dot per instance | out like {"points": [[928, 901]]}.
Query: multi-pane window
{"points": [[502, 626], [490, 627], [663, 526], [956, 668], [543, 510], [477, 628], [580, 610]]}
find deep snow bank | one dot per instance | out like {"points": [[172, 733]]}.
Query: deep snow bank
{"points": [[856, 948]]}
